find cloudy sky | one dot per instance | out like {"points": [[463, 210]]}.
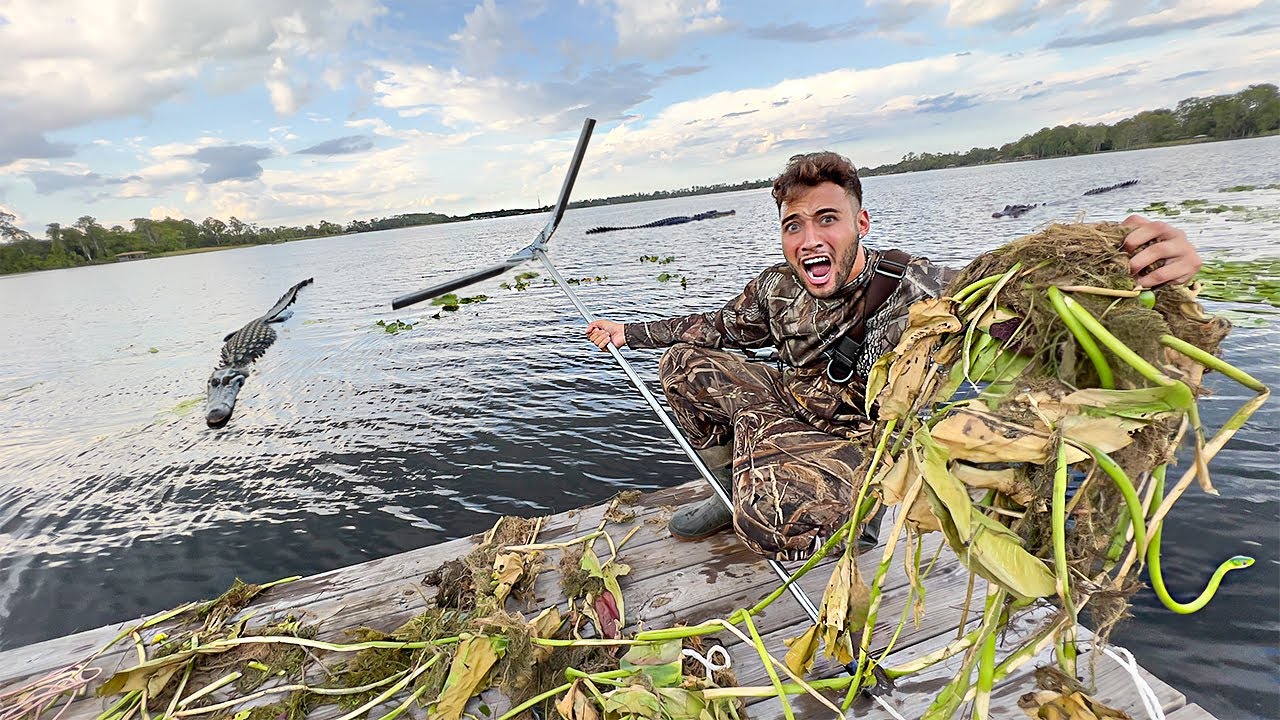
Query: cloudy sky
{"points": [[294, 111]]}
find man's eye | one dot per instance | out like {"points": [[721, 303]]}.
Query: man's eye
{"points": [[791, 227], [828, 219]]}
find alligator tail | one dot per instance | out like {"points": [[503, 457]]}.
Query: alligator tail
{"points": [[285, 300]]}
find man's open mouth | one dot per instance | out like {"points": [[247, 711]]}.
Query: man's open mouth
{"points": [[818, 269]]}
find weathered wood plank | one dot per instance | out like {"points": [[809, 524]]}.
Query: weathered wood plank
{"points": [[1190, 712], [318, 591], [670, 583]]}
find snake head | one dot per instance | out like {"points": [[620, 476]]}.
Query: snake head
{"points": [[1240, 561]]}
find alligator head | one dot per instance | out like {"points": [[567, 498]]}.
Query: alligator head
{"points": [[224, 385]]}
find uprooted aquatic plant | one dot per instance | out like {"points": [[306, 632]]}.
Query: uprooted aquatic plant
{"points": [[1078, 387]]}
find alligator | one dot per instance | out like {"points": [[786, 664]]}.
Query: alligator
{"points": [[676, 220], [1109, 188], [239, 350], [1013, 211]]}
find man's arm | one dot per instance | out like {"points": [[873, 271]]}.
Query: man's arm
{"points": [[740, 324]]}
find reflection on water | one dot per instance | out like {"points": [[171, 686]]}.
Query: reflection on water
{"points": [[349, 443]]}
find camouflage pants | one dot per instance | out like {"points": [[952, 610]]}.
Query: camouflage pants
{"points": [[793, 483]]}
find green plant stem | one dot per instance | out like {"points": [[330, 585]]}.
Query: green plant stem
{"points": [[677, 632], [873, 606], [1212, 362], [924, 662], [1115, 345], [766, 691], [1125, 486], [515, 711], [946, 703], [975, 286], [1066, 649], [413, 697], [851, 541], [986, 678], [1082, 336], [768, 667]]}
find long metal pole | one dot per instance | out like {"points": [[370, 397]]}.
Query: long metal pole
{"points": [[681, 440]]}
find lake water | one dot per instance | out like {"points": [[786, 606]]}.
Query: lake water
{"points": [[349, 443]]}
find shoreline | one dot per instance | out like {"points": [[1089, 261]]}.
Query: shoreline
{"points": [[719, 189]]}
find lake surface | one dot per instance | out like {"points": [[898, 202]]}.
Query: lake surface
{"points": [[349, 443]]}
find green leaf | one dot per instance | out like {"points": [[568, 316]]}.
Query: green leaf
{"points": [[948, 488], [661, 661], [632, 702]]}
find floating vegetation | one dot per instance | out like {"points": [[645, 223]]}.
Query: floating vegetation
{"points": [[1243, 281], [1250, 188], [315, 321], [187, 405], [1076, 377], [520, 282], [153, 350], [450, 302], [395, 326], [655, 259], [582, 281], [669, 277]]}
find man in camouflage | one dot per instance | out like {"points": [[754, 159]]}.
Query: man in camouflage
{"points": [[796, 467]]}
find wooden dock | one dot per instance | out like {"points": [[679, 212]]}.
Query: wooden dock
{"points": [[669, 583]]}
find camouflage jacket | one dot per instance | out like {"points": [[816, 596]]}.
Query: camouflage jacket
{"points": [[776, 310]]}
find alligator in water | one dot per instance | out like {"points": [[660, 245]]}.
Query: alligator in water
{"points": [[1013, 211], [239, 350], [677, 220], [1109, 188]]}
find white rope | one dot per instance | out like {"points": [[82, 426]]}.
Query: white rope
{"points": [[1149, 700], [709, 662]]}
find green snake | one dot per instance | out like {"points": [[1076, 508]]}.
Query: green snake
{"points": [[1236, 562]]}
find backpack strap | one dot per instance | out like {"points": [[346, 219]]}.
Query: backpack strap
{"points": [[887, 273]]}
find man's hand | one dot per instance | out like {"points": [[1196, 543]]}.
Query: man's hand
{"points": [[1167, 243], [603, 332]]}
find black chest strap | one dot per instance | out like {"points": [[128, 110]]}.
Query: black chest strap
{"points": [[887, 273]]}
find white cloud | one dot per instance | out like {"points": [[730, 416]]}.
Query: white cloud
{"points": [[653, 28], [496, 103], [74, 62], [487, 33], [969, 13]]}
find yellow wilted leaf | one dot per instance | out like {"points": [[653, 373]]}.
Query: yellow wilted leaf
{"points": [[1109, 433], [801, 651], [508, 568], [844, 608], [1007, 481], [928, 321], [892, 479], [545, 626], [877, 378], [476, 655], [976, 436], [575, 705]]}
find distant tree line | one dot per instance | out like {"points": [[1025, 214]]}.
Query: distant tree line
{"points": [[1250, 112]]}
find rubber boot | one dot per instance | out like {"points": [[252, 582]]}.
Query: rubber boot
{"points": [[704, 519], [870, 535]]}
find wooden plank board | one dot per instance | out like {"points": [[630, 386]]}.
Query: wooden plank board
{"points": [[669, 583], [1190, 712]]}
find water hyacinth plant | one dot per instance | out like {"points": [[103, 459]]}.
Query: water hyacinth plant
{"points": [[1047, 477]]}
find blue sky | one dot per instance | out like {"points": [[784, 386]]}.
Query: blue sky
{"points": [[292, 112]]}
